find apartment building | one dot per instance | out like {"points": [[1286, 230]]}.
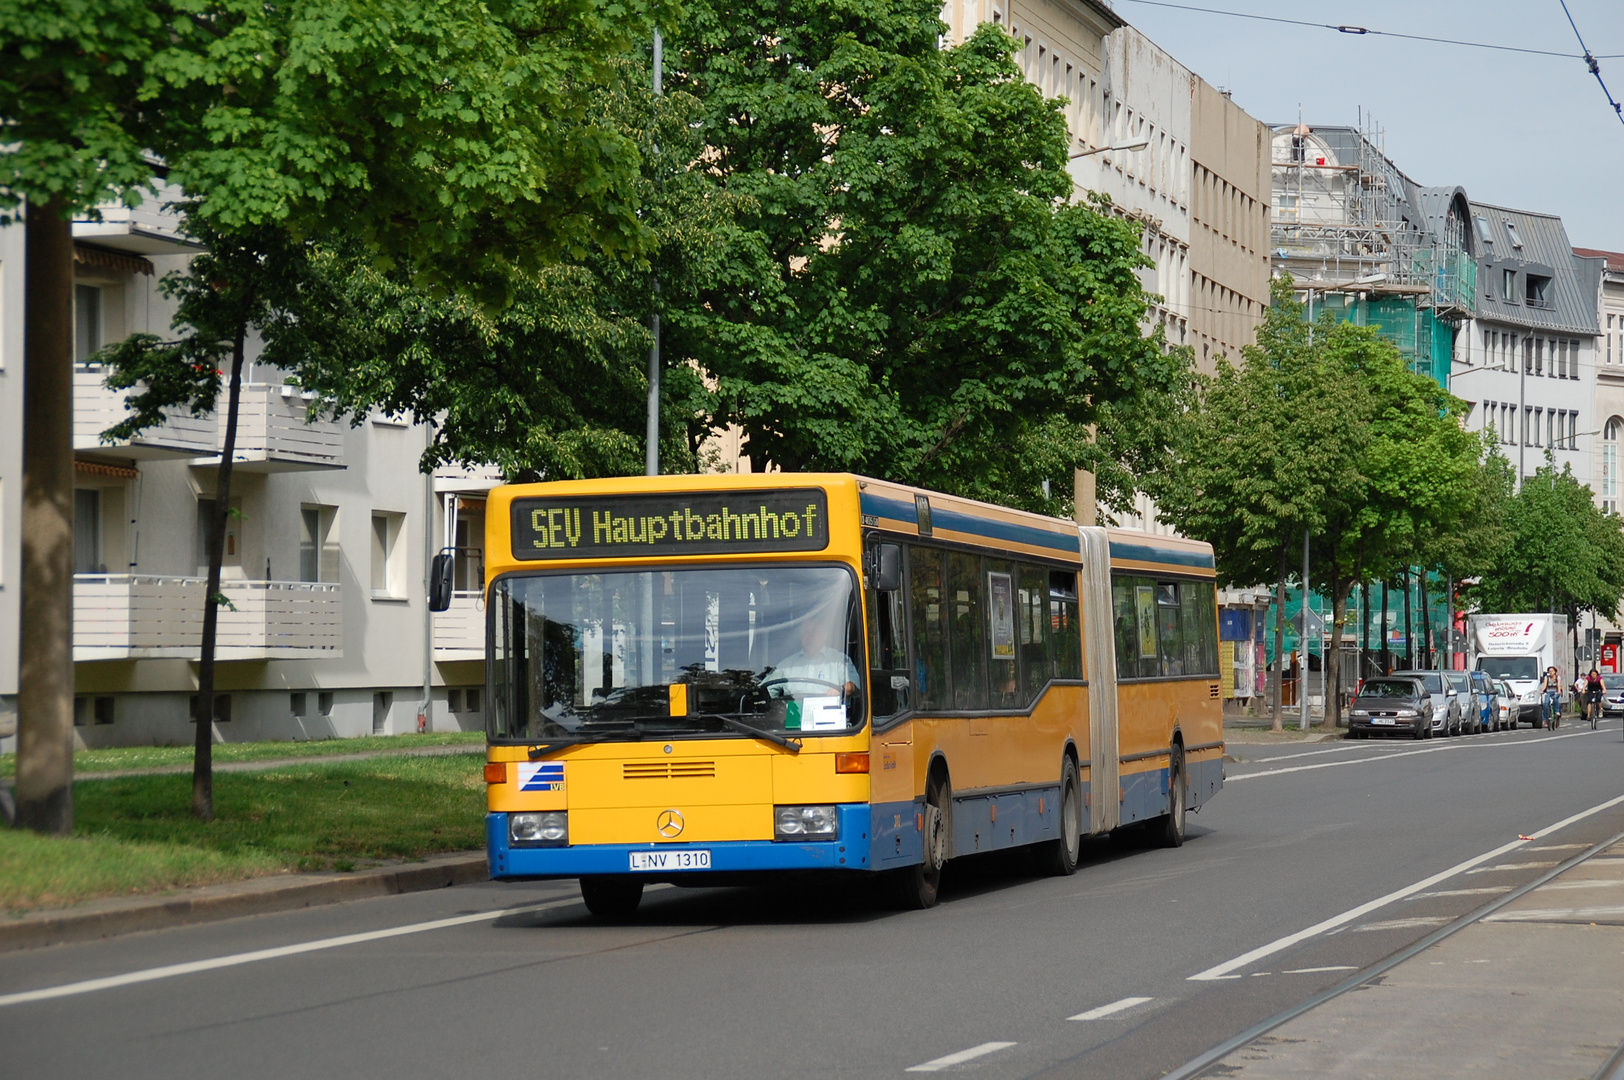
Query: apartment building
{"points": [[327, 631], [1609, 390], [1525, 361]]}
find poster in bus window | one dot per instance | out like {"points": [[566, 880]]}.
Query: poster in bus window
{"points": [[1144, 600], [1001, 591]]}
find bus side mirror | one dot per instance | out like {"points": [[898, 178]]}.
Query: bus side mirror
{"points": [[888, 567], [440, 581]]}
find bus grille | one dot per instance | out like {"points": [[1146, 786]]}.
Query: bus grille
{"points": [[668, 770]]}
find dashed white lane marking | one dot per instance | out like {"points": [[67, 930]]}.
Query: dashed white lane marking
{"points": [[1583, 883], [1219, 971], [1542, 914], [1513, 866], [1487, 890], [961, 1057], [1557, 847], [1464, 745], [1317, 970], [1111, 1009], [169, 971], [1402, 924]]}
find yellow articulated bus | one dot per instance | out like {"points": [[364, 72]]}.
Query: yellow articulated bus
{"points": [[714, 678]]}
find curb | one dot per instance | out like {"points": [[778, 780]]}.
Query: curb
{"points": [[256, 896]]}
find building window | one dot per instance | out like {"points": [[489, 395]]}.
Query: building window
{"points": [[1609, 464], [1508, 284], [1536, 289], [1511, 231], [324, 702], [1527, 417], [1609, 339], [1539, 356], [1488, 414], [1483, 231], [87, 322], [222, 708], [297, 702], [388, 556], [87, 557], [318, 554]]}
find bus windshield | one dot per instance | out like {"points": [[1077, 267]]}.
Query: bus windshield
{"points": [[1510, 667], [594, 656]]}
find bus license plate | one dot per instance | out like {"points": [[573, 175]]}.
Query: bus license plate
{"points": [[1388, 720], [686, 859]]}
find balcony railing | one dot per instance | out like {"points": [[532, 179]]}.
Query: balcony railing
{"points": [[96, 408], [139, 616], [459, 632], [272, 435]]}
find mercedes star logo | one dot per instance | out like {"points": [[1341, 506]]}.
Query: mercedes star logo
{"points": [[669, 823]]}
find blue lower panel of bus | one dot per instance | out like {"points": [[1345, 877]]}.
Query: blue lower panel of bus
{"points": [[1005, 819], [1144, 795], [850, 852], [1206, 778]]}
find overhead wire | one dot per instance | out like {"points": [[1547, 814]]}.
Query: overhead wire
{"points": [[1590, 62], [1362, 31]]}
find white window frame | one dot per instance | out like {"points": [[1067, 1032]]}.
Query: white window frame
{"points": [[387, 530]]}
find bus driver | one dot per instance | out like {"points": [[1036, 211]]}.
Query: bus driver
{"points": [[818, 668]]}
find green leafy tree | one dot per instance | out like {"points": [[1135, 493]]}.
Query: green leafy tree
{"points": [[1564, 555], [68, 76], [907, 290], [457, 140]]}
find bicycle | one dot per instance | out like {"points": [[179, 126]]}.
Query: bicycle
{"points": [[1593, 709], [1552, 710]]}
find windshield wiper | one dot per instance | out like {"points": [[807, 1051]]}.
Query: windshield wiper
{"points": [[792, 745], [543, 749]]}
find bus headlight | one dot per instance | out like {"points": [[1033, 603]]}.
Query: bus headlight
{"points": [[547, 829], [805, 823]]}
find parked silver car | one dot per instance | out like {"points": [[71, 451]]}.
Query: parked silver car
{"points": [[1612, 695], [1468, 704], [1446, 706], [1505, 706]]}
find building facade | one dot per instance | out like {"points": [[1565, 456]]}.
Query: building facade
{"points": [[1525, 361], [1609, 390], [327, 632]]}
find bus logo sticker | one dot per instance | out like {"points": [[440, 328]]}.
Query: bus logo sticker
{"points": [[548, 776], [669, 823]]}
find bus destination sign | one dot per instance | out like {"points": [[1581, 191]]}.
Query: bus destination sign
{"points": [[679, 523]]}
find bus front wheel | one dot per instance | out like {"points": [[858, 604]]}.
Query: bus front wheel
{"points": [[1058, 857], [1172, 830], [916, 887], [610, 896]]}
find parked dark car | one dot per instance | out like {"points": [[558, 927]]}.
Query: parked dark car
{"points": [[1483, 687], [1390, 705]]}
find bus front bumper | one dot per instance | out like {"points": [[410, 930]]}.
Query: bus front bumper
{"points": [[850, 852]]}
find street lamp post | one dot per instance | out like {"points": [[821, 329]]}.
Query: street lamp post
{"points": [[1136, 144]]}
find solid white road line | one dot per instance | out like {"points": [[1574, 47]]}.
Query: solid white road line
{"points": [[171, 970], [961, 1057], [1107, 1010], [1407, 753], [1223, 970]]}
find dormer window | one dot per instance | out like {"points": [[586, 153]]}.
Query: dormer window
{"points": [[1537, 291], [1484, 233], [1511, 231]]}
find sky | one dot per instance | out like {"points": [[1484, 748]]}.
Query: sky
{"points": [[1529, 132]]}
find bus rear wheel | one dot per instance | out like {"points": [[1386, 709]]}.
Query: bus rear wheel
{"points": [[1171, 832], [915, 888], [611, 896], [1058, 857]]}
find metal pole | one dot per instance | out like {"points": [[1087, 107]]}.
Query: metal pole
{"points": [[1305, 635], [651, 450]]}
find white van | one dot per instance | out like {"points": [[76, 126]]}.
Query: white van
{"points": [[1517, 649]]}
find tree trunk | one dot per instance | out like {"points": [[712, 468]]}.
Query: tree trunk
{"points": [[1333, 661], [1409, 626], [1277, 723], [1364, 629], [44, 789], [203, 756], [1382, 652], [1428, 640]]}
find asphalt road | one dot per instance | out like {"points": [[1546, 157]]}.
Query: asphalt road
{"points": [[1129, 969]]}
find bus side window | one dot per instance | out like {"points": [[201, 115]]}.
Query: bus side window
{"points": [[1200, 618], [1067, 646], [967, 638], [889, 680], [927, 590], [1167, 620], [1032, 630], [1003, 618], [1126, 624]]}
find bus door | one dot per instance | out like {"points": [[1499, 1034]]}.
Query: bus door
{"points": [[1104, 779]]}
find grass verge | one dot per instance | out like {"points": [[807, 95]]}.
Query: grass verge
{"points": [[136, 834], [114, 758]]}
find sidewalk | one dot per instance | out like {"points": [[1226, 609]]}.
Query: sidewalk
{"points": [[255, 896], [1535, 989]]}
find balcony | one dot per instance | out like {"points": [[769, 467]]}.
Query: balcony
{"points": [[459, 632], [136, 616], [151, 228], [96, 408], [272, 435]]}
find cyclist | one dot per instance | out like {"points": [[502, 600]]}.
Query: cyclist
{"points": [[1551, 686], [1593, 692]]}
